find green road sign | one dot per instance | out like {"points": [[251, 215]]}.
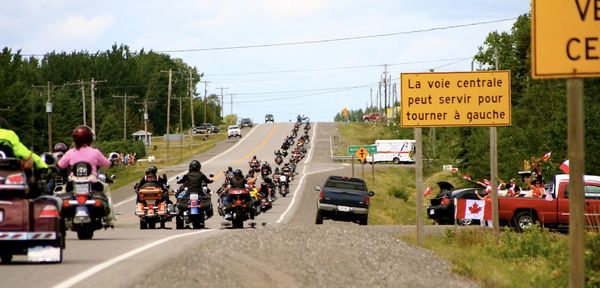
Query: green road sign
{"points": [[372, 149]]}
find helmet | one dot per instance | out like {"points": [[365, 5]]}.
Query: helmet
{"points": [[238, 172], [83, 135], [152, 170], [229, 168], [253, 157], [195, 165], [60, 147]]}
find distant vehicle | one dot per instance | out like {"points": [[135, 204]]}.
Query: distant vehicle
{"points": [[441, 210], [396, 150], [246, 122], [234, 131], [371, 117], [205, 128], [343, 199], [269, 118], [305, 119]]}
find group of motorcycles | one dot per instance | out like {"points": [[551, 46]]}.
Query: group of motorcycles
{"points": [[38, 207]]}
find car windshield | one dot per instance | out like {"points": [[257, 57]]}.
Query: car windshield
{"points": [[232, 127], [346, 185]]}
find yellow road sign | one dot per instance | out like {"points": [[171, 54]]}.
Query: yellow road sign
{"points": [[362, 153], [436, 99], [565, 38]]}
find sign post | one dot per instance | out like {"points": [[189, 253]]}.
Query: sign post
{"points": [[565, 43], [362, 152], [452, 99]]}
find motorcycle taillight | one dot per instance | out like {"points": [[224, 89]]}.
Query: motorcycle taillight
{"points": [[81, 199], [15, 179]]}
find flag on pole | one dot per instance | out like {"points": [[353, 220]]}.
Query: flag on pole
{"points": [[473, 209], [427, 191], [565, 167], [546, 156]]}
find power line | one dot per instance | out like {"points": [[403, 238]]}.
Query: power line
{"points": [[336, 39]]}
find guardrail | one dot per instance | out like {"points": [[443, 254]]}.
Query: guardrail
{"points": [[332, 152]]}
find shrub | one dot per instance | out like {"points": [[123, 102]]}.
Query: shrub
{"points": [[399, 193]]}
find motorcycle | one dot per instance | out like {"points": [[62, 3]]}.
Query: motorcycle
{"points": [[152, 208], [278, 160], [282, 185], [193, 208], [85, 206], [255, 165], [256, 199], [239, 207], [28, 226]]}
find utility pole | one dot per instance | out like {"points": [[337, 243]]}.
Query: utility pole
{"points": [[222, 103], [169, 110], [49, 88], [385, 90], [93, 102], [124, 112], [231, 102], [83, 101], [205, 94]]}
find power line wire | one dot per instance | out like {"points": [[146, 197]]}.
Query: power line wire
{"points": [[337, 39]]}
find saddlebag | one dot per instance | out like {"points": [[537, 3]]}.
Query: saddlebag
{"points": [[150, 193], [14, 215]]}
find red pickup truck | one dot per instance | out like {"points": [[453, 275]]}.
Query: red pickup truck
{"points": [[523, 212], [371, 117]]}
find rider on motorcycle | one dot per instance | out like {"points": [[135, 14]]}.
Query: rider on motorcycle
{"points": [[287, 171], [12, 145], [83, 136], [237, 182], [228, 173], [254, 163], [150, 176], [57, 177], [265, 169], [194, 179]]}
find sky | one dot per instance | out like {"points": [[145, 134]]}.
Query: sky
{"points": [[315, 79]]}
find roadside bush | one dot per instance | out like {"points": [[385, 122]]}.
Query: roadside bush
{"points": [[592, 260], [399, 193], [124, 147]]}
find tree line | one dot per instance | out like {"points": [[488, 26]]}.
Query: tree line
{"points": [[539, 111], [119, 71]]}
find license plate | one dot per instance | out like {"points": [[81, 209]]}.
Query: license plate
{"points": [[1, 216], [193, 196], [82, 188], [344, 208], [431, 212]]}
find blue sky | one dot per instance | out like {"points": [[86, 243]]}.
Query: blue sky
{"points": [[308, 79]]}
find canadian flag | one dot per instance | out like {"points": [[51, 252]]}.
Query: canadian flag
{"points": [[546, 156], [466, 177], [565, 167], [427, 191], [473, 209]]}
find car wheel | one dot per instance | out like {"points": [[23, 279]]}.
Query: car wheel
{"points": [[465, 222], [363, 221], [319, 219], [524, 220], [396, 160]]}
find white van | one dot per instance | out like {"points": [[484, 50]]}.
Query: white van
{"points": [[397, 151]]}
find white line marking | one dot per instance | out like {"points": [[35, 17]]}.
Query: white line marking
{"points": [[205, 162], [106, 264]]}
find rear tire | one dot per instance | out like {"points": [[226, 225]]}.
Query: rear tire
{"points": [[363, 221], [198, 224], [524, 221], [6, 257], [396, 160], [85, 232], [143, 225], [152, 224], [319, 219], [178, 222]]}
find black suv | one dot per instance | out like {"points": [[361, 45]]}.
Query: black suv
{"points": [[344, 199], [245, 122], [269, 118], [205, 128]]}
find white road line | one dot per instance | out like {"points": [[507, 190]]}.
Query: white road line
{"points": [[205, 162], [95, 269]]}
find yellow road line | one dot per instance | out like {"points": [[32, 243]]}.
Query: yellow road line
{"points": [[247, 156]]}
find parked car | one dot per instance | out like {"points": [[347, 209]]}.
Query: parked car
{"points": [[269, 118], [441, 210], [234, 131], [343, 199], [371, 117], [246, 122], [205, 128]]}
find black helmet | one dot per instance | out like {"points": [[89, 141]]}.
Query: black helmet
{"points": [[229, 168], [238, 172], [195, 165], [152, 170], [254, 157], [83, 135], [60, 147]]}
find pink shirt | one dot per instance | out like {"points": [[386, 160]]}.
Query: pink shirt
{"points": [[84, 154]]}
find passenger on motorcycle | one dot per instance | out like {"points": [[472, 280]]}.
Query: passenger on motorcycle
{"points": [[265, 169], [287, 171], [57, 177], [11, 146], [150, 176], [228, 174], [83, 136]]}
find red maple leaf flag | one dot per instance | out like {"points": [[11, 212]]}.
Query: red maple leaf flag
{"points": [[546, 156], [565, 167], [427, 191], [471, 209]]}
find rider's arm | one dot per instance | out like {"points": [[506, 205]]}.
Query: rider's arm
{"points": [[206, 179], [22, 152], [102, 161]]}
